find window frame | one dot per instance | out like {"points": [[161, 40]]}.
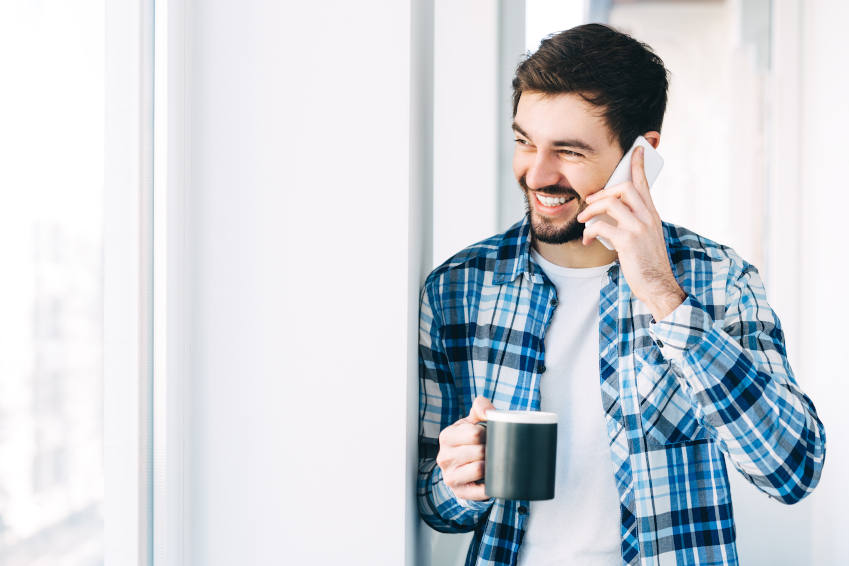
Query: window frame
{"points": [[127, 283]]}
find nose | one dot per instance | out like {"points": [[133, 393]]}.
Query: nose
{"points": [[543, 172]]}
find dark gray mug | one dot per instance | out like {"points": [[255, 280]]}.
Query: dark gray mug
{"points": [[521, 454]]}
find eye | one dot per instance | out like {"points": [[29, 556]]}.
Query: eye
{"points": [[570, 153], [521, 141]]}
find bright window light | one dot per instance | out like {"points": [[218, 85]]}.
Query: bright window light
{"points": [[51, 300], [544, 17]]}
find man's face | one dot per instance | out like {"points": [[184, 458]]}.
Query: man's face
{"points": [[564, 150]]}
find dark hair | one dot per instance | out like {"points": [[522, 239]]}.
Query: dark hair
{"points": [[609, 69]]}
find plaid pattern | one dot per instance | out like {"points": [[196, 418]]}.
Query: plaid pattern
{"points": [[709, 382]]}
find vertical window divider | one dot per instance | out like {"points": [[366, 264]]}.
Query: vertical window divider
{"points": [[170, 301], [127, 282]]}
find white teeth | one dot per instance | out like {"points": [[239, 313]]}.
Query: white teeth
{"points": [[548, 201]]}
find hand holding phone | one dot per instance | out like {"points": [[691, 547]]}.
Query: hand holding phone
{"points": [[653, 163]]}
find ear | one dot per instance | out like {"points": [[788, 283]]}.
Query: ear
{"points": [[653, 138]]}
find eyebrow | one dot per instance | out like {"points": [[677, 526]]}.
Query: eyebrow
{"points": [[580, 144]]}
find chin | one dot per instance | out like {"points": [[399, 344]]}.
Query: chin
{"points": [[545, 230], [560, 233]]}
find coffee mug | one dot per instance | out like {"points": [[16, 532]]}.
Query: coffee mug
{"points": [[521, 454]]}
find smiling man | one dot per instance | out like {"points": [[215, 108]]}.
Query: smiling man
{"points": [[662, 358]]}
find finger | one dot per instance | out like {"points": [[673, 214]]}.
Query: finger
{"points": [[451, 457], [479, 408], [616, 209], [601, 228], [467, 473], [638, 176], [462, 433], [617, 213], [471, 492], [627, 193], [467, 454], [454, 457]]}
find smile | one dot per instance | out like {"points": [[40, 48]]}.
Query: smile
{"points": [[552, 204]]}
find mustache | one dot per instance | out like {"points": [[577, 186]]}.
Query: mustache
{"points": [[554, 190]]}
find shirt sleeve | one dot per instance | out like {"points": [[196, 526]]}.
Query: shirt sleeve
{"points": [[736, 374], [438, 408]]}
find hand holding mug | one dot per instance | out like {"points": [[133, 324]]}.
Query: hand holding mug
{"points": [[462, 447]]}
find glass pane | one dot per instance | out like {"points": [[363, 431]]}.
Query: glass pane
{"points": [[51, 182]]}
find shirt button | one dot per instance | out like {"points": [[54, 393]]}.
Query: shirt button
{"points": [[523, 510], [554, 302], [541, 368], [659, 343]]}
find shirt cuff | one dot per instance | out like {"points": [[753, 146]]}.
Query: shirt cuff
{"points": [[681, 329], [442, 493]]}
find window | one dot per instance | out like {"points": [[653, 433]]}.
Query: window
{"points": [[51, 347]]}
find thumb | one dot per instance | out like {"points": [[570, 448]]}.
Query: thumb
{"points": [[479, 408]]}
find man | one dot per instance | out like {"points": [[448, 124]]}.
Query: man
{"points": [[661, 357]]}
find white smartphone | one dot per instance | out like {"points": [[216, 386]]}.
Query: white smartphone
{"points": [[653, 163]]}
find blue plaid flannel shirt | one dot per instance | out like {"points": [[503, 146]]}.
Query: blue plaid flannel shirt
{"points": [[709, 382]]}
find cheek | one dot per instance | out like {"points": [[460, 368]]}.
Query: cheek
{"points": [[585, 181], [519, 164]]}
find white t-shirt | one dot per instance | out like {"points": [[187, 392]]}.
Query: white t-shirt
{"points": [[581, 525]]}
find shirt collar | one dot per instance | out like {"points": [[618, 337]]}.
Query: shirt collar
{"points": [[513, 252], [514, 249]]}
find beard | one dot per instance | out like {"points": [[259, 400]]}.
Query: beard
{"points": [[542, 228]]}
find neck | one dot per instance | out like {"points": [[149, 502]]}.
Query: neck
{"points": [[575, 253]]}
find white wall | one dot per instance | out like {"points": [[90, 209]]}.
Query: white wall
{"points": [[299, 192], [466, 124]]}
